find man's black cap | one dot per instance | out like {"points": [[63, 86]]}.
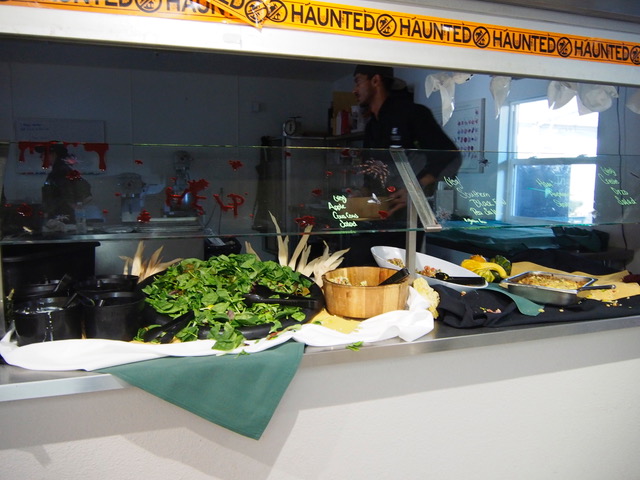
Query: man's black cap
{"points": [[371, 70]]}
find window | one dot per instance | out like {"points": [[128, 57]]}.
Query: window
{"points": [[552, 170]]}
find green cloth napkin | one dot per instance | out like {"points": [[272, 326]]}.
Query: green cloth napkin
{"points": [[526, 306], [238, 392]]}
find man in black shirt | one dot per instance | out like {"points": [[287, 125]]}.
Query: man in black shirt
{"points": [[395, 120]]}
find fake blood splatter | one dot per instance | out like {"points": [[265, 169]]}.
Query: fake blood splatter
{"points": [[195, 187], [192, 192], [236, 165], [144, 216], [99, 148], [305, 221], [25, 210], [236, 201]]}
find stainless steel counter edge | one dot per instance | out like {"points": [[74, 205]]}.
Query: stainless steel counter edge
{"points": [[20, 384]]}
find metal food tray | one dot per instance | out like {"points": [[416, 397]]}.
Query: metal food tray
{"points": [[548, 295]]}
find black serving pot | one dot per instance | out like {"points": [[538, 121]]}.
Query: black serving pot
{"points": [[112, 315], [107, 283], [46, 319], [32, 291], [51, 288]]}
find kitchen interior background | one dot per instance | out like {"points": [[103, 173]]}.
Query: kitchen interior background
{"points": [[152, 96]]}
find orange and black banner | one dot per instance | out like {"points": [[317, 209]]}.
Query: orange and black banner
{"points": [[363, 22]]}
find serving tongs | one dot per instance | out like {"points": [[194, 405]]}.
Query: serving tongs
{"points": [[165, 333], [459, 280], [263, 294], [397, 277]]}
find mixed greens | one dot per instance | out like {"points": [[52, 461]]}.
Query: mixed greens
{"points": [[214, 290]]}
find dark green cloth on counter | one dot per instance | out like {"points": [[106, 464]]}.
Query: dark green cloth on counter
{"points": [[238, 392]]}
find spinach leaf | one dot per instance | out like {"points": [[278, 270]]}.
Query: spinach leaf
{"points": [[214, 289]]}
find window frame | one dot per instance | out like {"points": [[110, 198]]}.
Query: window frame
{"points": [[510, 161]]}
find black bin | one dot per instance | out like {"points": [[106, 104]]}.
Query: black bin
{"points": [[43, 263]]}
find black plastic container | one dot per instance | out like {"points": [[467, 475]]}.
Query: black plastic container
{"points": [[106, 283], [37, 290], [112, 315], [44, 320], [42, 263]]}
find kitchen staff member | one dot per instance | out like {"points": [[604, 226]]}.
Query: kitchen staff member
{"points": [[64, 190], [395, 120]]}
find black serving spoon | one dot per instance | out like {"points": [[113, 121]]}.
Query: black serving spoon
{"points": [[460, 280], [263, 294]]}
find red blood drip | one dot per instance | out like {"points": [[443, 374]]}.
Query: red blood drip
{"points": [[101, 150]]}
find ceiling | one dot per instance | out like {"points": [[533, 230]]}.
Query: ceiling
{"points": [[37, 51], [622, 10]]}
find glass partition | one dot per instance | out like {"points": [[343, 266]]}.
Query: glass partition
{"points": [[297, 185]]}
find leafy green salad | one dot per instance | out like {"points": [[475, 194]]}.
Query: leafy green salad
{"points": [[214, 290]]}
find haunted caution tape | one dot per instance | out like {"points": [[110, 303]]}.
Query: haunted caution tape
{"points": [[364, 22]]}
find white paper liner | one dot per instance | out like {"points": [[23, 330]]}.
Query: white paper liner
{"points": [[93, 354]]}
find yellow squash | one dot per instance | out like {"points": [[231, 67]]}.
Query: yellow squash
{"points": [[490, 271]]}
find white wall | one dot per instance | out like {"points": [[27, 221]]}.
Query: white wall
{"points": [[147, 106], [564, 408]]}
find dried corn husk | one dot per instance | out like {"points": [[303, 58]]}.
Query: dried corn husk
{"points": [[283, 243], [299, 261], [143, 269], [249, 249]]}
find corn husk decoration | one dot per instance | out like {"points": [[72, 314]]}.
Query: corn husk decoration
{"points": [[136, 265], [299, 260]]}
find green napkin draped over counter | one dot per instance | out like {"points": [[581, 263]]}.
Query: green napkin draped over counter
{"points": [[238, 392]]}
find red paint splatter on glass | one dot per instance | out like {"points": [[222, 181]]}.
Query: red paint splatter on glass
{"points": [[236, 202], [305, 221], [25, 210], [173, 198], [236, 164], [144, 216]]}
